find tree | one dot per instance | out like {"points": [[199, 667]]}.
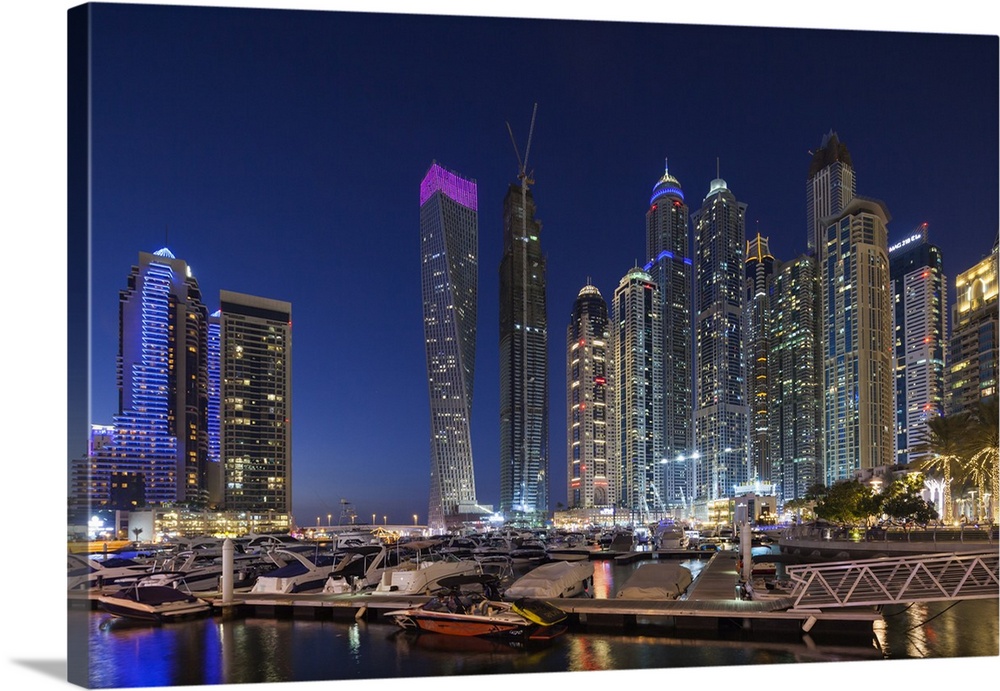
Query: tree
{"points": [[983, 452], [850, 502], [944, 447], [902, 503]]}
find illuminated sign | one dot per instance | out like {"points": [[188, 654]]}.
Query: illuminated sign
{"points": [[922, 235]]}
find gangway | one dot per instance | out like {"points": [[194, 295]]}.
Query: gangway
{"points": [[892, 580]]}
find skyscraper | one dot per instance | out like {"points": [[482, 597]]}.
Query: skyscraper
{"points": [[918, 293], [856, 323], [794, 417], [589, 475], [973, 354], [638, 411], [670, 267], [161, 427], [255, 418], [449, 275], [722, 414], [830, 185], [524, 398], [757, 320]]}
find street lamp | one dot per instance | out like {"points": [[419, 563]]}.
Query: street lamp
{"points": [[329, 518], [385, 520], [414, 519], [373, 519]]}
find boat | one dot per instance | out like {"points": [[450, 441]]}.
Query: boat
{"points": [[531, 551], [459, 611], [363, 567], [156, 597], [203, 568], [555, 579], [421, 576], [656, 582], [295, 573], [84, 573], [571, 547], [670, 535]]}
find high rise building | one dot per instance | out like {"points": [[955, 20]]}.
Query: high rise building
{"points": [[638, 401], [721, 413], [757, 342], [918, 293], [857, 349], [973, 353], [794, 419], [215, 474], [670, 267], [449, 275], [524, 399], [589, 474], [161, 427], [830, 185], [255, 418]]}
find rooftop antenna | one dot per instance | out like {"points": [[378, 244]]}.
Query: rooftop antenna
{"points": [[717, 167]]}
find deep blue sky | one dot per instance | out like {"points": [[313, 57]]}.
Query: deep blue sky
{"points": [[281, 153]]}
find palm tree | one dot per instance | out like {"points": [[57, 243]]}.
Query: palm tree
{"points": [[984, 450], [943, 449]]}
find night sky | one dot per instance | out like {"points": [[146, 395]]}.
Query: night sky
{"points": [[280, 153]]}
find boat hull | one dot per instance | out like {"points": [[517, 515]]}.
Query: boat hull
{"points": [[156, 611]]}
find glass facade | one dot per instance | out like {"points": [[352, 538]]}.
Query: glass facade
{"points": [[524, 391], [671, 268], [449, 241], [856, 321], [638, 401], [918, 338], [721, 413], [255, 346]]}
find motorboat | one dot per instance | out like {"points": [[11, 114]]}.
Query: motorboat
{"points": [[460, 611], [363, 567], [529, 552], [555, 579], [571, 547], [203, 568], [295, 572], [670, 535], [156, 597], [421, 576], [656, 582], [84, 573]]}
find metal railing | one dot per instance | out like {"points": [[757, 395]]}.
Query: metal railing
{"points": [[890, 580]]}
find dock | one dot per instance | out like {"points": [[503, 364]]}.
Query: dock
{"points": [[709, 606]]}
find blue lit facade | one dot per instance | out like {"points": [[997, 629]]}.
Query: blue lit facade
{"points": [[919, 337], [670, 268], [449, 242], [215, 473], [161, 427], [721, 413]]}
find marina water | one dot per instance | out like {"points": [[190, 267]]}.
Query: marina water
{"points": [[214, 650]]}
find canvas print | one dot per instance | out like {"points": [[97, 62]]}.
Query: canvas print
{"points": [[422, 346]]}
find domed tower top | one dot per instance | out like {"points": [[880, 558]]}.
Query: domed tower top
{"points": [[667, 185]]}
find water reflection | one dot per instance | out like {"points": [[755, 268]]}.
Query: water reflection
{"points": [[214, 650]]}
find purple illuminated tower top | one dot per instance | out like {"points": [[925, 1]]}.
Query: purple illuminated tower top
{"points": [[456, 188]]}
